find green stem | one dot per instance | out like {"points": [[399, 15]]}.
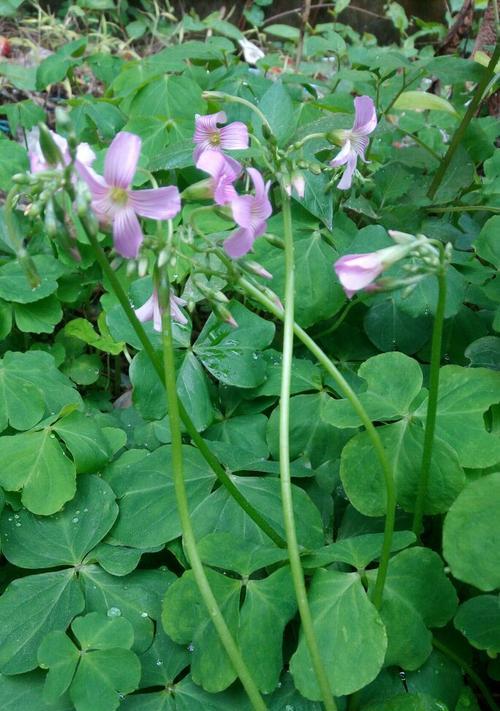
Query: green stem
{"points": [[467, 669], [221, 96], [459, 133], [349, 393], [285, 475], [156, 362], [16, 244], [336, 324], [430, 423], [421, 143], [188, 537]]}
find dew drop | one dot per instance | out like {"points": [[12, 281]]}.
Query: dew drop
{"points": [[159, 662], [144, 614], [75, 519], [18, 524], [85, 510], [191, 647], [16, 516], [114, 612], [10, 518]]}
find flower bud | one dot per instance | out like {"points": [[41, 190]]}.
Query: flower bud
{"points": [[49, 148], [257, 268], [202, 190], [224, 315]]}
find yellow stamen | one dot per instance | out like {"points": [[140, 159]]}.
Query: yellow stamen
{"points": [[118, 196]]}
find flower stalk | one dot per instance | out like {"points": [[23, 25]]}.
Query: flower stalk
{"points": [[198, 441], [285, 476], [390, 487], [189, 540], [430, 422]]}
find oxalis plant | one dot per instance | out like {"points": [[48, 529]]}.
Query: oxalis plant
{"points": [[270, 514]]}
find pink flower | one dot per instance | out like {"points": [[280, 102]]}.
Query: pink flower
{"points": [[355, 141], [38, 162], [250, 212], [208, 137], [151, 310], [113, 200], [359, 271], [297, 183], [223, 171]]}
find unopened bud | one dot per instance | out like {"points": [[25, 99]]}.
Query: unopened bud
{"points": [[273, 297], [257, 268], [50, 219], [50, 150], [401, 237], [21, 179], [142, 267], [163, 257], [224, 315], [202, 190]]}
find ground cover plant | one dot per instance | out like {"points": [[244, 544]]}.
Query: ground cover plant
{"points": [[249, 410]]}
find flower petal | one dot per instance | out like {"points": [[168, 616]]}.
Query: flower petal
{"points": [[240, 242], [365, 116], [343, 155], [85, 154], [206, 126], [346, 181], [241, 208], [156, 203], [175, 312], [145, 312], [258, 182], [357, 271], [234, 136], [127, 233], [121, 159], [95, 182]]}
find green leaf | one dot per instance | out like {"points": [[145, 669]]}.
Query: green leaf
{"points": [[268, 605], [393, 380], [471, 534], [232, 354], [25, 114], [219, 551], [185, 620], [25, 692], [52, 599], [14, 284], [169, 97], [484, 352], [38, 317], [13, 160], [219, 512], [464, 395], [423, 101], [163, 661], [85, 440], [408, 702], [321, 296], [363, 478], [278, 108], [36, 464], [58, 654], [193, 391], [486, 245], [311, 434], [82, 329], [136, 597], [358, 551], [53, 69], [408, 609], [283, 31], [350, 634], [105, 668], [144, 485], [63, 539], [478, 619], [390, 329]]}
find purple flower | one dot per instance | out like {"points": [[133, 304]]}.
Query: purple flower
{"points": [[223, 171], [250, 212], [359, 271], [113, 200], [151, 310], [38, 163], [209, 137], [355, 141]]}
